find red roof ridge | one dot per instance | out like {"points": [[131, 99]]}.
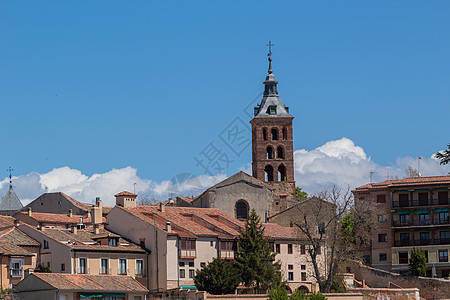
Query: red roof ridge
{"points": [[125, 193]]}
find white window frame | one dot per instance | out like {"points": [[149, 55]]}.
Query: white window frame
{"points": [[86, 267], [107, 267], [126, 266]]}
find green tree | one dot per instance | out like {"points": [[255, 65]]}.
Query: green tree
{"points": [[444, 156], [217, 278], [348, 227], [278, 293], [300, 195], [418, 262], [255, 259]]}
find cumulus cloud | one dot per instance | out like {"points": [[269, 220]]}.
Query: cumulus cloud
{"points": [[339, 162], [344, 164]]}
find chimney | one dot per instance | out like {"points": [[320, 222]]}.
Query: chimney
{"points": [[96, 229], [89, 214], [168, 227], [97, 212], [74, 229], [70, 213], [98, 202], [283, 201], [162, 208], [29, 211]]}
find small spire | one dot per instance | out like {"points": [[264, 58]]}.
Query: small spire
{"points": [[10, 175], [270, 56], [270, 65]]}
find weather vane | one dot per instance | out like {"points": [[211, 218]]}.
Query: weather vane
{"points": [[10, 174], [270, 48]]}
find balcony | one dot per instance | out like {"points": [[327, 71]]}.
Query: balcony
{"points": [[421, 242], [187, 254], [429, 222], [415, 203], [399, 223], [422, 222], [17, 272]]}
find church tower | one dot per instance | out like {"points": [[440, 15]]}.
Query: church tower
{"points": [[272, 140]]}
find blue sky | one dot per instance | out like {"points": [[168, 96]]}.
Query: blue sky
{"points": [[101, 85]]}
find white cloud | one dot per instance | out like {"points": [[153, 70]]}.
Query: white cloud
{"points": [[338, 162]]}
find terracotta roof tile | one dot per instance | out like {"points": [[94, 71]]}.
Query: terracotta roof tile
{"points": [[298, 203], [90, 283], [9, 249], [6, 221], [59, 218], [16, 236], [411, 181], [125, 193]]}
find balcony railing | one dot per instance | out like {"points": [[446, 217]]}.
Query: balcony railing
{"points": [[105, 271], [82, 271], [421, 242], [400, 223], [123, 272], [140, 273], [429, 202], [16, 272], [187, 253]]}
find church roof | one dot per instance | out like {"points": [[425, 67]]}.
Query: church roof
{"points": [[271, 105], [10, 201]]}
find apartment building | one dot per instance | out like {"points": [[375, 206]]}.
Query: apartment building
{"points": [[182, 240], [94, 251], [412, 212]]}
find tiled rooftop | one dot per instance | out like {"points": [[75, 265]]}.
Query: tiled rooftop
{"points": [[90, 283], [6, 221], [125, 193], [59, 218], [15, 236], [411, 181], [10, 249]]}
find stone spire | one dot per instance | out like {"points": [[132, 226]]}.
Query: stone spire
{"points": [[10, 201]]}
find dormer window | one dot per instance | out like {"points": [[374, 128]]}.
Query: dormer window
{"points": [[272, 110], [113, 241]]}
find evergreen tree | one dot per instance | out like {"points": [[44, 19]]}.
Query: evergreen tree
{"points": [[300, 195], [444, 156], [418, 262], [255, 259], [217, 278]]}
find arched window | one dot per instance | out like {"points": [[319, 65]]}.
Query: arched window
{"points": [[284, 133], [268, 173], [269, 152], [274, 133], [281, 173], [280, 152], [241, 210], [265, 134]]}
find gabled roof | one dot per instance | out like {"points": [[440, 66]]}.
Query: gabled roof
{"points": [[405, 182], [16, 236], [61, 196], [86, 283], [6, 221], [10, 201], [236, 178], [9, 249], [58, 218]]}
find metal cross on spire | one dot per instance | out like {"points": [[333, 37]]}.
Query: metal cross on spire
{"points": [[10, 170], [270, 48]]}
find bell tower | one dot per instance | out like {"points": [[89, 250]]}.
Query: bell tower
{"points": [[272, 140]]}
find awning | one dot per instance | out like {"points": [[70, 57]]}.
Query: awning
{"points": [[91, 295], [441, 189], [402, 212], [115, 295], [188, 287], [421, 190], [424, 229], [401, 191], [441, 209], [422, 211]]}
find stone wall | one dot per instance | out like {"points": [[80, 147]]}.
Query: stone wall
{"points": [[430, 288]]}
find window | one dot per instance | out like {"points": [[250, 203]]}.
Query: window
{"points": [[404, 236], [241, 210], [382, 238], [281, 173], [366, 259], [443, 197], [289, 248], [381, 219], [211, 243], [191, 273], [403, 257], [139, 267], [424, 237], [182, 273], [381, 198], [277, 248], [45, 244], [187, 244], [123, 266], [290, 267], [423, 199], [63, 267], [113, 241], [280, 152], [303, 274], [290, 275], [303, 249], [443, 255], [383, 256], [268, 170], [191, 264], [443, 218], [403, 199], [181, 263], [274, 133], [444, 236], [426, 256], [269, 152], [272, 110], [303, 267], [404, 219], [82, 266], [265, 134], [284, 133], [104, 266], [321, 229]]}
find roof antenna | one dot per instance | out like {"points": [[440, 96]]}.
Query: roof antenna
{"points": [[371, 173]]}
